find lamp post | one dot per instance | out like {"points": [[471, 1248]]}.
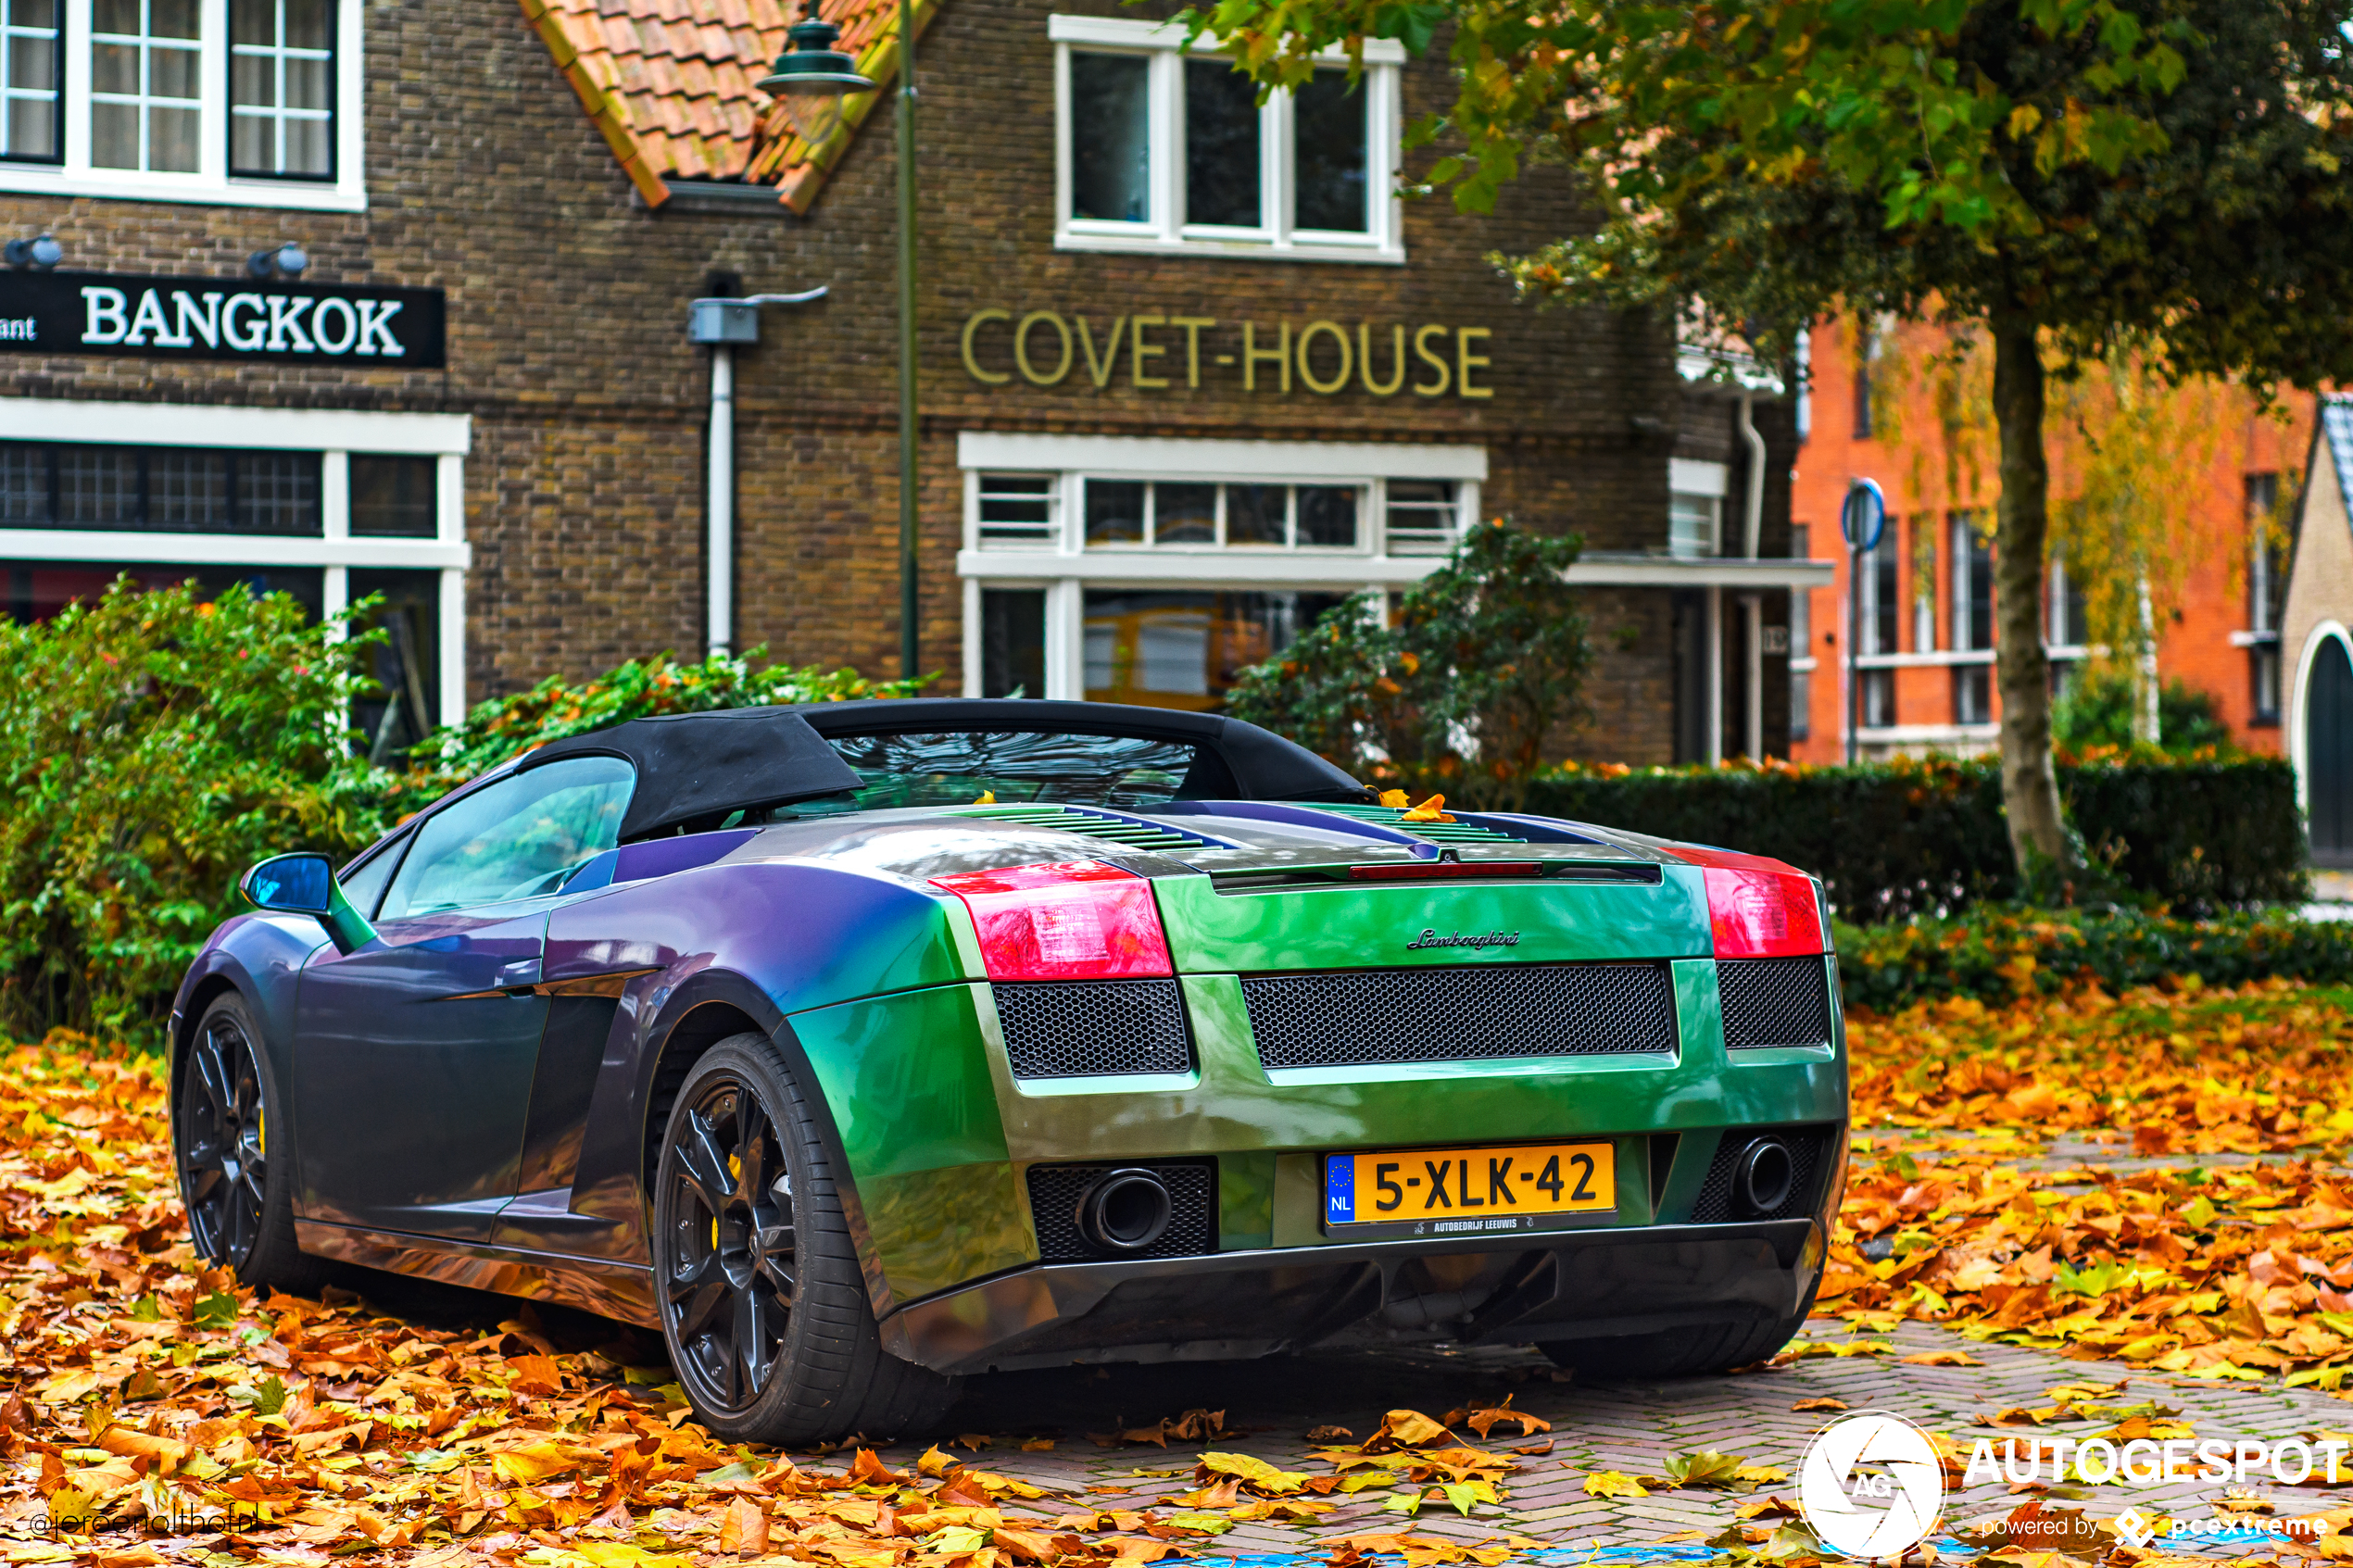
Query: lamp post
{"points": [[810, 79], [1863, 519]]}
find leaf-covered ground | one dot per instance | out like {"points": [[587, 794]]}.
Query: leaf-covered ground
{"points": [[2207, 1231], [164, 1414]]}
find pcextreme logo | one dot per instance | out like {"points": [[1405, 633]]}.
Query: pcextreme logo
{"points": [[1871, 1485]]}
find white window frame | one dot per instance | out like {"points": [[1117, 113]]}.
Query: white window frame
{"points": [[335, 434], [1069, 568], [211, 182], [1166, 233]]}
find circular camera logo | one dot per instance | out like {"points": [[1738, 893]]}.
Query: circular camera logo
{"points": [[1871, 1485]]}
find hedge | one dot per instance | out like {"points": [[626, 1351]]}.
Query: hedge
{"points": [[1996, 955], [1898, 840]]}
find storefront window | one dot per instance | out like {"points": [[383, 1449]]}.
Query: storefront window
{"points": [[1184, 649], [159, 489], [394, 498], [39, 589], [1012, 642], [1018, 509], [1424, 517], [407, 664], [1110, 138], [1128, 511]]}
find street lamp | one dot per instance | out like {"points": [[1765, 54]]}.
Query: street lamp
{"points": [[810, 79]]}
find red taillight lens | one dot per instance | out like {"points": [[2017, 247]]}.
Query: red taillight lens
{"points": [[1762, 914], [1065, 920]]}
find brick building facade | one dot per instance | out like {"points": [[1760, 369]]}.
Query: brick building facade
{"points": [[1151, 448]]}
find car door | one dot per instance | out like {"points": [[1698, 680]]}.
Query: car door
{"points": [[414, 1053]]}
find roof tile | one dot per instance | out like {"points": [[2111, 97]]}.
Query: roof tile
{"points": [[669, 83]]}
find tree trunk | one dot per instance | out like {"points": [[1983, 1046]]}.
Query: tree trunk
{"points": [[2029, 787]]}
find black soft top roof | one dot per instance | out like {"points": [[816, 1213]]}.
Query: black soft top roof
{"points": [[694, 765]]}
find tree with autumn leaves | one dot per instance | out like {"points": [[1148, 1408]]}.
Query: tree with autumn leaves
{"points": [[2065, 178]]}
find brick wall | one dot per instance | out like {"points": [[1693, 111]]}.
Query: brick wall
{"points": [[567, 304]]}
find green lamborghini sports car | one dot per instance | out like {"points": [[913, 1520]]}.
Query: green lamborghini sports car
{"points": [[860, 1046]]}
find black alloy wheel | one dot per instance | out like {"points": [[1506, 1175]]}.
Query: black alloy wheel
{"points": [[225, 1164], [229, 1134], [729, 1279], [760, 1287]]}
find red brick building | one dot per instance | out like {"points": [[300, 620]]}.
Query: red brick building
{"points": [[1190, 372], [1926, 653]]}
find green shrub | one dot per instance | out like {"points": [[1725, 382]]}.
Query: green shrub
{"points": [[152, 746], [1997, 954], [1924, 837], [2096, 711], [1485, 656]]}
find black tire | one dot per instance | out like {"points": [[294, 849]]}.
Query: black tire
{"points": [[227, 1121], [764, 1304]]}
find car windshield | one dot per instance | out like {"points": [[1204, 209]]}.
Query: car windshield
{"points": [[961, 767]]}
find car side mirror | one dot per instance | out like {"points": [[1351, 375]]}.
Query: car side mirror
{"points": [[305, 885]]}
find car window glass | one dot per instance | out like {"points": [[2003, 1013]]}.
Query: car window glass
{"points": [[518, 838], [361, 888], [955, 767]]}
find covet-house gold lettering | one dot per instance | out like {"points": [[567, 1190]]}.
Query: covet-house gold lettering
{"points": [[1021, 347], [1328, 356], [1421, 347], [1139, 351], [1098, 371], [1253, 356], [1307, 337]]}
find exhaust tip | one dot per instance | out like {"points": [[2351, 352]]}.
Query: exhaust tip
{"points": [[1764, 1177], [1125, 1210]]}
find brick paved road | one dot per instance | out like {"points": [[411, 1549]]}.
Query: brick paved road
{"points": [[1634, 1428]]}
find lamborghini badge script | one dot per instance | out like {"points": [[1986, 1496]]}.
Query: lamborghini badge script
{"points": [[1430, 938]]}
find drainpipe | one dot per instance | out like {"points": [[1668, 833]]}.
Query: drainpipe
{"points": [[1752, 523], [720, 324], [719, 544]]}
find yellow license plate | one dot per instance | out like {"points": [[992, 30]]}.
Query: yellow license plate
{"points": [[1469, 1189]]}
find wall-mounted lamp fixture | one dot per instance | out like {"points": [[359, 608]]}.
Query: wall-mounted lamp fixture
{"points": [[42, 252], [288, 261], [738, 321]]}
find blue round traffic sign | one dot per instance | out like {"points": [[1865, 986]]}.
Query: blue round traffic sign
{"points": [[1863, 519]]}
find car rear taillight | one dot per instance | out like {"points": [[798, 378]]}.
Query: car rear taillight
{"points": [[1758, 908], [1064, 919]]}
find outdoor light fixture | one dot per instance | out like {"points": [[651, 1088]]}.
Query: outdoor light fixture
{"points": [[811, 77], [288, 260], [42, 252]]}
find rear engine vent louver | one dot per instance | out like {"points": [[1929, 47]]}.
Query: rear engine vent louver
{"points": [[1150, 838], [1351, 1017], [1084, 1028], [1455, 832], [1718, 1199], [1774, 1001], [1056, 1192]]}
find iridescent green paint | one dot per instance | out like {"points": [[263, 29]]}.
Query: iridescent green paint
{"points": [[909, 1082], [1360, 927]]}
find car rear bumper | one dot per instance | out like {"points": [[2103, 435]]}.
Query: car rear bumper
{"points": [[1568, 1285]]}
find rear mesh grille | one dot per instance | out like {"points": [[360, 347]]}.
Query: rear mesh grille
{"points": [[1083, 1028], [1774, 1001], [1714, 1205], [1054, 1191], [1343, 1018]]}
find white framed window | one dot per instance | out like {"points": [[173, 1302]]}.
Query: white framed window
{"points": [[1158, 148], [328, 506], [1152, 570], [253, 103], [1695, 493]]}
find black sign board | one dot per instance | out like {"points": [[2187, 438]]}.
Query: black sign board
{"points": [[242, 319]]}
